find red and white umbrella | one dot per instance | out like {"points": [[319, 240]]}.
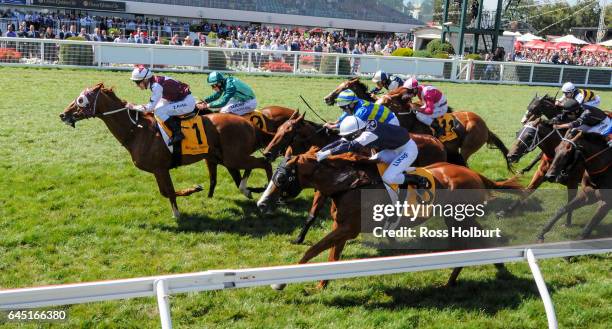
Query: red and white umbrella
{"points": [[535, 44], [594, 49]]}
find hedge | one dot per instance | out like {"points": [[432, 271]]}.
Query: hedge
{"points": [[71, 54]]}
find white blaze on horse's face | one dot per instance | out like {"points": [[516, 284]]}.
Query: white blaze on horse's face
{"points": [[524, 118]]}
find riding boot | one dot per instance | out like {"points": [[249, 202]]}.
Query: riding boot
{"points": [[421, 183], [438, 131], [175, 125]]}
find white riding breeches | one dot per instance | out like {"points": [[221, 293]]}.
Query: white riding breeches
{"points": [[428, 118], [165, 109], [239, 108], [399, 161], [602, 128]]}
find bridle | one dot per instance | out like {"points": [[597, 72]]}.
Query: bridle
{"points": [[286, 180], [578, 154], [88, 110], [536, 139]]}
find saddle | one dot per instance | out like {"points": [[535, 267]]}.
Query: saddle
{"points": [[258, 119]]}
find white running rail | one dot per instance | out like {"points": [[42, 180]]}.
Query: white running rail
{"points": [[164, 286]]}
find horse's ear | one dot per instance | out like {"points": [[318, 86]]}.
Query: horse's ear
{"points": [[536, 96], [294, 114], [355, 79], [301, 117]]}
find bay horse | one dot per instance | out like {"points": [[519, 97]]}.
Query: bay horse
{"points": [[231, 140], [298, 135], [539, 133], [459, 150], [343, 177], [592, 151]]}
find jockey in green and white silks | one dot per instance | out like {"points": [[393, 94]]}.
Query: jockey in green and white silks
{"points": [[231, 95], [364, 110]]}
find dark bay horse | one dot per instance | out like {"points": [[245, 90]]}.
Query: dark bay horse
{"points": [[540, 134], [343, 177], [231, 140], [299, 135], [592, 151], [459, 150]]}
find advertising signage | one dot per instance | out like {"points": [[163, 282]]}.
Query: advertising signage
{"points": [[91, 4]]}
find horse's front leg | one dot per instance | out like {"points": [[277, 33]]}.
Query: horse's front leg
{"points": [[318, 201]]}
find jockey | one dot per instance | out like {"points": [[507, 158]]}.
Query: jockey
{"points": [[384, 80], [231, 95], [434, 103], [591, 119], [393, 143], [169, 98], [364, 110], [582, 96]]}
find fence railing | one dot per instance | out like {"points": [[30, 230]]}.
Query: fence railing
{"points": [[163, 286], [108, 55]]}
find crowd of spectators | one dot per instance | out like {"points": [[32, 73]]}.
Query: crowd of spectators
{"points": [[563, 56]]}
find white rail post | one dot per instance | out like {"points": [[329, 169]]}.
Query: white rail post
{"points": [[163, 303], [561, 76], [537, 276], [337, 65]]}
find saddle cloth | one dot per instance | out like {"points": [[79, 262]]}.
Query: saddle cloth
{"points": [[449, 124], [195, 141], [258, 119], [415, 196]]}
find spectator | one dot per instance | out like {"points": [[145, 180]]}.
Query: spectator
{"points": [[187, 41], [71, 33], [119, 38], [11, 31], [84, 34], [33, 33], [175, 41], [96, 36]]}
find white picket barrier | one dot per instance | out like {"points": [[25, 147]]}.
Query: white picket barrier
{"points": [[122, 56], [164, 286]]}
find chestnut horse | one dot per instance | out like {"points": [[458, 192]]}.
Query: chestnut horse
{"points": [[299, 135], [591, 151], [231, 140], [459, 150], [343, 177], [540, 134]]}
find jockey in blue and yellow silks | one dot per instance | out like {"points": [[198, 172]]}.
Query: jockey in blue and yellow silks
{"points": [[364, 110]]}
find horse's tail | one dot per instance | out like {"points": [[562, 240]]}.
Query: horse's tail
{"points": [[495, 142], [510, 185]]}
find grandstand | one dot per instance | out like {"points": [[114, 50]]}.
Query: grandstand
{"points": [[346, 9]]}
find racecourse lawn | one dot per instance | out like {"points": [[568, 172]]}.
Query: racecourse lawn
{"points": [[73, 208]]}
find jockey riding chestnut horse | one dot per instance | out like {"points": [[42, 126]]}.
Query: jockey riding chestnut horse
{"points": [[231, 139]]}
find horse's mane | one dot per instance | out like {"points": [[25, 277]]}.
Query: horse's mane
{"points": [[594, 138], [109, 91], [549, 98]]}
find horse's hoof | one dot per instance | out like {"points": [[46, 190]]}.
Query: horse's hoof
{"points": [[568, 225], [501, 214], [540, 239], [198, 188], [451, 284], [278, 286]]}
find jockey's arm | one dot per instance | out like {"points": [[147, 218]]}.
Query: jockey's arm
{"points": [[156, 96], [428, 108], [579, 98], [213, 97], [351, 146], [230, 91]]}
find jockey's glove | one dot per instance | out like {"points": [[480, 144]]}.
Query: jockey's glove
{"points": [[323, 155]]}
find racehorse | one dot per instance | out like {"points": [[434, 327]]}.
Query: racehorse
{"points": [[343, 177], [459, 150], [590, 150], [231, 140], [540, 133], [299, 135], [274, 116], [539, 106]]}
